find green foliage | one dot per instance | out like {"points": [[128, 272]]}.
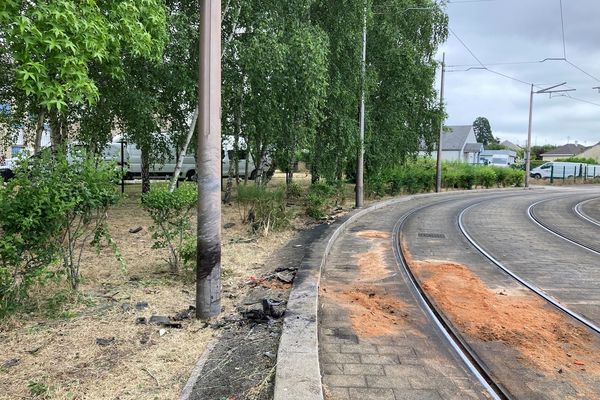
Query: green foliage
{"points": [[50, 211], [264, 209], [171, 213], [537, 151], [322, 198], [581, 160], [294, 190], [485, 176], [419, 177], [38, 389], [52, 44], [483, 133]]}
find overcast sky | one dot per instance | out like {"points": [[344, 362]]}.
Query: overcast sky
{"points": [[507, 31]]}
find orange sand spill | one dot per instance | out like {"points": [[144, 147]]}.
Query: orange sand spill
{"points": [[372, 314], [545, 338], [374, 234]]}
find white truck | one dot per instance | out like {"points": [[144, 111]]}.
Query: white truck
{"points": [[564, 169]]}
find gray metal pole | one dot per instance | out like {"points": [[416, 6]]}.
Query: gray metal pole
{"points": [[361, 129], [438, 175], [208, 261], [528, 150]]}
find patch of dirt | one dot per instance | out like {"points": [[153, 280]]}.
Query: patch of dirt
{"points": [[546, 339], [373, 234], [372, 314]]}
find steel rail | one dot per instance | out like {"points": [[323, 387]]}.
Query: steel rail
{"points": [[577, 209], [537, 221], [459, 346]]}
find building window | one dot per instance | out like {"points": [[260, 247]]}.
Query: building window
{"points": [[15, 150]]}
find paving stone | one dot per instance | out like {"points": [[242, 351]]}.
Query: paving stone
{"points": [[391, 382], [362, 348], [401, 351], [379, 359], [339, 358], [363, 369], [405, 370], [417, 394], [371, 394], [344, 381], [332, 369], [336, 393]]}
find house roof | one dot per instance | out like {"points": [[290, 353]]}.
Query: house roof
{"points": [[569, 149], [473, 148], [457, 136], [510, 145]]}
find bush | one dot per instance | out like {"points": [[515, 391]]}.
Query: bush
{"points": [[171, 213], [322, 197], [502, 176], [262, 208], [516, 178], [485, 176], [294, 190], [50, 210]]}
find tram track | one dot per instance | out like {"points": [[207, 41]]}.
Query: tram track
{"points": [[478, 367]]}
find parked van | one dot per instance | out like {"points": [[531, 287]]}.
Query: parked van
{"points": [[188, 167], [564, 169]]}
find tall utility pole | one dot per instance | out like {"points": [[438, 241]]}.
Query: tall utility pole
{"points": [[208, 258], [549, 91], [438, 175], [360, 161]]}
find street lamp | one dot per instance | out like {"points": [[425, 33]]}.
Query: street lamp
{"points": [[528, 152]]}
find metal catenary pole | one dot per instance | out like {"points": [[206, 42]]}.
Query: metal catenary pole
{"points": [[549, 91], [528, 150], [438, 176], [208, 261]]}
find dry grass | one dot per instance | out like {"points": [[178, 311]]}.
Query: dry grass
{"points": [[58, 355]]}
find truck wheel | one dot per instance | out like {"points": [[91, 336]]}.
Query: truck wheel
{"points": [[253, 175], [537, 176], [191, 175]]}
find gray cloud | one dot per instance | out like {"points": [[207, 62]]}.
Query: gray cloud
{"points": [[525, 30]]}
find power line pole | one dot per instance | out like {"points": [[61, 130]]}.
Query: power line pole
{"points": [[208, 258], [438, 175], [549, 91], [360, 161]]}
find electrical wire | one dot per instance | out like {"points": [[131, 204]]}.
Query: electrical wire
{"points": [[562, 22]]}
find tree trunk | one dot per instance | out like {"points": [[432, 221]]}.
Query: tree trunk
{"points": [[57, 134], [233, 163], [39, 131], [145, 167], [208, 270], [183, 152]]}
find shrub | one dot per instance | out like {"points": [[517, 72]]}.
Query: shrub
{"points": [[171, 213], [294, 190], [516, 178], [502, 176], [485, 176], [264, 209], [50, 210], [322, 197]]}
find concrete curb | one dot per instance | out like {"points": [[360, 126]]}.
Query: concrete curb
{"points": [[298, 373]]}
